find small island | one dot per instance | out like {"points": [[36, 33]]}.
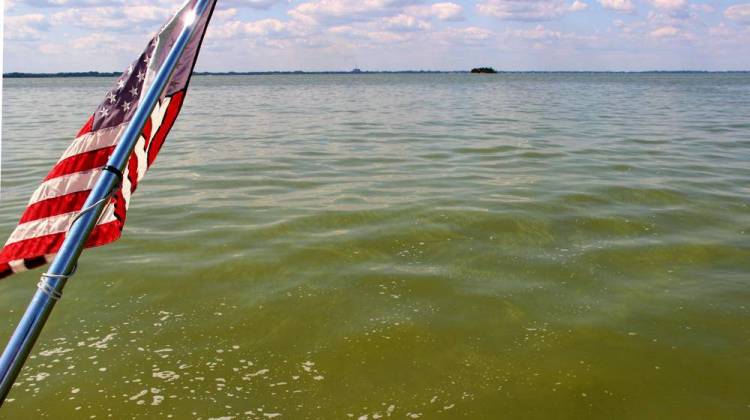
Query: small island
{"points": [[488, 70]]}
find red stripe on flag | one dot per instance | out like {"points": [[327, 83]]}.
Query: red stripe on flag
{"points": [[81, 162], [169, 117], [133, 171], [32, 247], [104, 234], [5, 270], [86, 127], [54, 206], [120, 210], [50, 244], [146, 132]]}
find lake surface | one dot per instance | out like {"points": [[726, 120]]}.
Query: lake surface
{"points": [[414, 246]]}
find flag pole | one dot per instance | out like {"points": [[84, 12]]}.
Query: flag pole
{"points": [[62, 267]]}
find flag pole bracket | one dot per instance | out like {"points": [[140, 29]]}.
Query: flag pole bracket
{"points": [[115, 171], [48, 289]]}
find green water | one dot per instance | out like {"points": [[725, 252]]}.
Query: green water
{"points": [[414, 246]]}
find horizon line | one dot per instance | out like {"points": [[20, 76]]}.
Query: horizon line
{"points": [[17, 74]]}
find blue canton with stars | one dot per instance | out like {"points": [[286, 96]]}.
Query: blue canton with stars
{"points": [[120, 102]]}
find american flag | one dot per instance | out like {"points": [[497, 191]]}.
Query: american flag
{"points": [[57, 201]]}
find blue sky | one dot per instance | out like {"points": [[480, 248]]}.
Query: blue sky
{"points": [[261, 35]]}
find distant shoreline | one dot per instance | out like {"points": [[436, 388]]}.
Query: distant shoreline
{"points": [[22, 75]]}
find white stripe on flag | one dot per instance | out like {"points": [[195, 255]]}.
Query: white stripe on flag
{"points": [[66, 184], [99, 139], [125, 188], [54, 224], [157, 118], [17, 266], [157, 115], [140, 157]]}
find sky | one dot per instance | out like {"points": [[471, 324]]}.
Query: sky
{"points": [[321, 35]]}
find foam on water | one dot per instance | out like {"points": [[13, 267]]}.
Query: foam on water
{"points": [[426, 246]]}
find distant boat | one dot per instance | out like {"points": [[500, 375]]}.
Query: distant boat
{"points": [[489, 70], [356, 70]]}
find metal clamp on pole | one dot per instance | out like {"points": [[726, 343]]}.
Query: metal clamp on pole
{"points": [[45, 287], [48, 289], [115, 171]]}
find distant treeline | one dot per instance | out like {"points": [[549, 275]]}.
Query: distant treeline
{"points": [[16, 75], [227, 73], [261, 73], [63, 74]]}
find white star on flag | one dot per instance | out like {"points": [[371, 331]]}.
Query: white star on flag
{"points": [[126, 106], [133, 91], [140, 76], [104, 112], [120, 84]]}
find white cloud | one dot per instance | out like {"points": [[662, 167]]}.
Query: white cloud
{"points": [[665, 32], [72, 3], [386, 37], [631, 28], [674, 32], [702, 7], [447, 11], [147, 13], [578, 5], [441, 11], [721, 30], [50, 48], [677, 9], [739, 13], [527, 10], [322, 22], [93, 43], [341, 30], [112, 18], [729, 36], [253, 4], [345, 11], [255, 29], [669, 4], [540, 34], [471, 35], [25, 27], [626, 6], [93, 40], [223, 14], [535, 34], [403, 22]]}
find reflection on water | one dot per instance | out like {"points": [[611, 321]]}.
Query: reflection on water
{"points": [[407, 246]]}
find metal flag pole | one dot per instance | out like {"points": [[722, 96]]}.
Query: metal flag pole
{"points": [[52, 282]]}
